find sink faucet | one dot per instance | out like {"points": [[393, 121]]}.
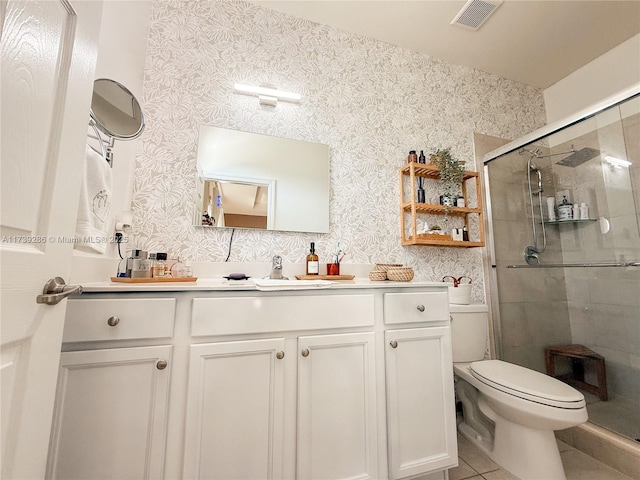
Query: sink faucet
{"points": [[276, 269]]}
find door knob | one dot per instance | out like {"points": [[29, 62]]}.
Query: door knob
{"points": [[280, 355], [55, 290], [420, 308], [161, 365], [393, 344], [305, 352], [113, 321]]}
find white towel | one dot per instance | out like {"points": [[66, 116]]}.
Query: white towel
{"points": [[92, 227], [267, 284]]}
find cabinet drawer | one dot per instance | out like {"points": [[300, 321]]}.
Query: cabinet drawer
{"points": [[415, 307], [87, 320], [240, 315]]}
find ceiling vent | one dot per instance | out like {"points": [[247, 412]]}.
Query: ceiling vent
{"points": [[475, 13]]}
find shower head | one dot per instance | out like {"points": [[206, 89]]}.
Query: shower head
{"points": [[578, 157]]}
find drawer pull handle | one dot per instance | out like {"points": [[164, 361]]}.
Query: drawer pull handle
{"points": [[113, 321], [305, 352], [420, 308], [161, 365], [280, 355], [393, 344]]}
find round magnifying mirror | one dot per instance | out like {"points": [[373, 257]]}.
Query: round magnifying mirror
{"points": [[115, 110]]}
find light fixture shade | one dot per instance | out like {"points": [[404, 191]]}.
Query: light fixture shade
{"points": [[266, 92]]}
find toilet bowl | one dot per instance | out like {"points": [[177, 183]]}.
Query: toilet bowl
{"points": [[510, 412]]}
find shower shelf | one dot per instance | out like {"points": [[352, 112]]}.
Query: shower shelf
{"points": [[412, 208]]}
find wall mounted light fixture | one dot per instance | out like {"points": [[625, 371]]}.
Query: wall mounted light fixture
{"points": [[617, 162], [267, 95]]}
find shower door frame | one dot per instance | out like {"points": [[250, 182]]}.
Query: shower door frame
{"points": [[490, 271]]}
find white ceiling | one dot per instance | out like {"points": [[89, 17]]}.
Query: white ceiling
{"points": [[536, 42]]}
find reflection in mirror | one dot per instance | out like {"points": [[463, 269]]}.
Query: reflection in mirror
{"points": [[258, 181], [228, 203]]}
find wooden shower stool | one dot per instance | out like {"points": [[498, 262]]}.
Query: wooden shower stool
{"points": [[578, 354]]}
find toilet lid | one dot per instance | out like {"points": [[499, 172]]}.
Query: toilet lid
{"points": [[528, 384]]}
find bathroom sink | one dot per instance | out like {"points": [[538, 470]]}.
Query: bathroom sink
{"points": [[270, 284]]}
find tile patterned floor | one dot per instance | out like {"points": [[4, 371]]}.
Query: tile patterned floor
{"points": [[475, 465]]}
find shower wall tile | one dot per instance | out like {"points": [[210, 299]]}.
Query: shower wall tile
{"points": [[608, 289], [548, 322], [582, 329], [370, 101], [514, 325]]}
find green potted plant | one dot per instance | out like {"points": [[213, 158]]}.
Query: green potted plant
{"points": [[451, 173]]}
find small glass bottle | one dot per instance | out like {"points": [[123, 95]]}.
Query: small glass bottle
{"points": [[160, 265], [152, 262], [313, 266], [465, 234], [413, 157], [422, 158]]}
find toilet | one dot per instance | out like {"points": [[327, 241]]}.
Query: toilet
{"points": [[510, 412]]}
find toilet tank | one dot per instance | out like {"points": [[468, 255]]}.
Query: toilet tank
{"points": [[469, 326]]}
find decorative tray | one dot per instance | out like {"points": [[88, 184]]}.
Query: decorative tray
{"points": [[153, 280], [325, 277]]}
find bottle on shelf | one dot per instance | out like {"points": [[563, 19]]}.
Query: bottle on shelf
{"points": [[413, 157], [465, 234], [565, 210], [421, 157], [313, 266]]}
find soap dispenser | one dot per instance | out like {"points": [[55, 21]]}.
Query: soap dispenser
{"points": [[313, 266]]}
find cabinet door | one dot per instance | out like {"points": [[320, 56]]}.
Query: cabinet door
{"points": [[111, 414], [235, 418], [420, 401], [337, 437]]}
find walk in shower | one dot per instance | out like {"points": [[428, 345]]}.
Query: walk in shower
{"points": [[564, 243]]}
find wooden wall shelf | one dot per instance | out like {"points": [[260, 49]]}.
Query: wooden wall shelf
{"points": [[413, 208]]}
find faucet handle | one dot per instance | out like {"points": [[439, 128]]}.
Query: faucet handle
{"points": [[277, 261]]}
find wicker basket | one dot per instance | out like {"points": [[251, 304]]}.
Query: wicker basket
{"points": [[403, 274], [383, 267], [377, 275]]}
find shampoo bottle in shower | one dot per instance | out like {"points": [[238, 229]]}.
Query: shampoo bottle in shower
{"points": [[313, 266]]}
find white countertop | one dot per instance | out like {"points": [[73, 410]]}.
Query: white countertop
{"points": [[221, 284]]}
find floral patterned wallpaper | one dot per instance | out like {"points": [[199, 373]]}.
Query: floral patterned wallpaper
{"points": [[371, 102]]}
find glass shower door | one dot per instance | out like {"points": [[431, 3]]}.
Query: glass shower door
{"points": [[564, 215]]}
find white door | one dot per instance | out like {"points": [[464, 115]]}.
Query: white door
{"points": [[49, 53], [235, 416], [111, 410], [337, 423], [420, 401]]}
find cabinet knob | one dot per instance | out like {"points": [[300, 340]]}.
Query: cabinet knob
{"points": [[420, 308], [113, 321], [393, 344], [280, 355], [305, 352], [161, 365]]}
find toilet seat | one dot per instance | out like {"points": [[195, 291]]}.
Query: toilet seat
{"points": [[527, 384]]}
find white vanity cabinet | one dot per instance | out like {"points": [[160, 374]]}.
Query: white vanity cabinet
{"points": [[355, 381], [110, 418]]}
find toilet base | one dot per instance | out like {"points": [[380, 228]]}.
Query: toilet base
{"points": [[527, 453]]}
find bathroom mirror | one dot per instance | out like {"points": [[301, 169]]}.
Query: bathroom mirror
{"points": [[115, 110], [250, 180]]}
